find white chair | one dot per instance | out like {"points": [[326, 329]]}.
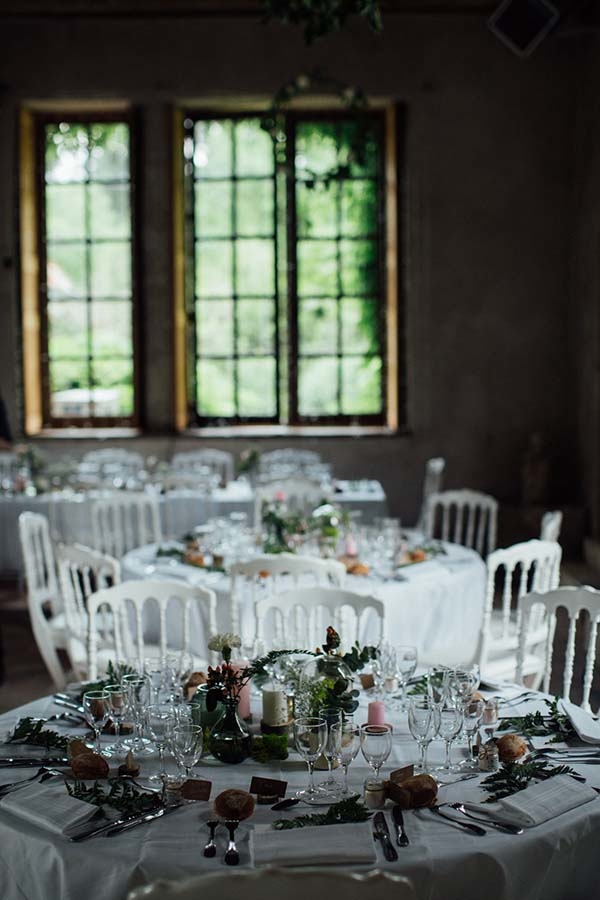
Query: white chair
{"points": [[300, 495], [219, 461], [528, 566], [432, 484], [574, 600], [8, 468], [162, 609], [301, 616], [43, 599], [124, 520], [467, 517], [271, 574], [288, 462], [551, 525], [81, 572], [291, 883], [115, 456]]}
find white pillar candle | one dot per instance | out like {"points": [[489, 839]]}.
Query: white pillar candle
{"points": [[275, 708]]}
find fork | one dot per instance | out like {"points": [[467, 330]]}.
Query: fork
{"points": [[494, 823], [232, 857], [43, 774], [210, 849]]}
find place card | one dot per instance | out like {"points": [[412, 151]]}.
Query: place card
{"points": [[367, 681], [196, 789], [268, 787], [400, 775]]}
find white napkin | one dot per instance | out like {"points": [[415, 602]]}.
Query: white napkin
{"points": [[330, 844], [539, 802], [587, 728], [48, 807]]}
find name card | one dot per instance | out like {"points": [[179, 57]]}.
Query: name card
{"points": [[400, 775], [196, 789], [268, 787]]}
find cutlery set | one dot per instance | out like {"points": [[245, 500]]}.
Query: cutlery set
{"points": [[232, 856], [116, 826]]}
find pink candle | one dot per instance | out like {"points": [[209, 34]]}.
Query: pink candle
{"points": [[350, 549], [244, 703], [376, 713]]}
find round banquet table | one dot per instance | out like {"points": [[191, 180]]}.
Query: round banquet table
{"points": [[435, 605], [557, 860]]}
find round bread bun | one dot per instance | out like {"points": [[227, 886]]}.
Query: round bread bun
{"points": [[413, 793], [511, 747], [89, 765], [234, 804]]}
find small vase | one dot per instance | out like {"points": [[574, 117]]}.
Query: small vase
{"points": [[229, 737]]}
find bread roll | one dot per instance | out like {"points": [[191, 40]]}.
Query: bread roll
{"points": [[511, 747], [413, 793], [89, 766], [234, 804]]}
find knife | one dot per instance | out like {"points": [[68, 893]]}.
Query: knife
{"points": [[382, 832], [140, 820], [466, 825], [68, 704], [401, 836], [15, 762]]}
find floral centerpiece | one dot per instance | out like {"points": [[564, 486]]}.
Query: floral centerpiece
{"points": [[248, 463], [327, 522], [326, 680], [281, 529]]}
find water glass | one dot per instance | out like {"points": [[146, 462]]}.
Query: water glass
{"points": [[406, 664], [160, 722], [421, 726], [333, 716], [472, 714], [97, 710], [449, 720], [137, 691], [186, 741], [117, 704], [437, 684], [345, 738], [310, 736], [376, 745]]}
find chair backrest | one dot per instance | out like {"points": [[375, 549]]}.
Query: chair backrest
{"points": [[138, 608], [116, 456], [272, 574], [574, 600], [219, 461], [288, 462], [432, 484], [291, 883], [8, 468], [528, 566], [81, 572], [300, 494], [463, 517], [124, 520], [302, 616], [551, 525]]}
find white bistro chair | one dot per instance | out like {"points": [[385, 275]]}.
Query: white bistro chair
{"points": [[432, 484], [43, 598], [463, 517], [82, 572], [528, 566], [551, 525], [574, 600], [163, 609], [218, 461], [124, 520], [289, 462]]}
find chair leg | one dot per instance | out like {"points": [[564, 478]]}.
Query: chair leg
{"points": [[50, 656]]}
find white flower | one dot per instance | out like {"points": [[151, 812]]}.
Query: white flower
{"points": [[219, 641], [302, 82]]}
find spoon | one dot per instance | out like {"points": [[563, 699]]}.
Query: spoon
{"points": [[232, 857], [210, 849]]}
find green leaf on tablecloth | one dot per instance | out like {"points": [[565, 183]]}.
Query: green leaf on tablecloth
{"points": [[536, 724], [513, 777], [121, 794], [348, 810], [31, 731]]}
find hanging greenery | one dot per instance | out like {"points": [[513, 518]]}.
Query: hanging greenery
{"points": [[322, 17]]}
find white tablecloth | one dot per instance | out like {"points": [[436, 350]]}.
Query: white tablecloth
{"points": [[557, 860], [437, 606]]}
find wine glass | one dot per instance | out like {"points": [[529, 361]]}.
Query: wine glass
{"points": [[472, 714], [186, 745], [376, 745], [154, 670], [421, 726], [310, 735], [116, 705], [437, 684], [97, 709], [160, 719], [137, 691], [406, 664], [345, 738], [449, 721], [333, 716]]}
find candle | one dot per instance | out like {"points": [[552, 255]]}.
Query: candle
{"points": [[374, 793], [350, 548], [376, 714], [275, 708], [244, 701]]}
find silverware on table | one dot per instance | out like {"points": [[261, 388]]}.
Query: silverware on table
{"points": [[60, 700], [210, 848], [401, 835], [486, 820], [142, 819], [381, 832], [43, 774], [232, 857], [17, 762], [442, 784], [475, 829]]}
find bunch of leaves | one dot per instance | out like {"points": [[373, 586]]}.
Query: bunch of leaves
{"points": [[358, 657], [119, 794], [31, 731], [280, 526], [224, 682], [513, 777], [114, 675], [171, 552], [269, 747], [322, 17], [348, 810], [419, 687], [555, 724]]}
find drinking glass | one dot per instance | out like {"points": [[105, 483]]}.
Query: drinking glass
{"points": [[186, 742], [406, 664], [137, 691], [376, 745], [437, 685], [472, 714], [449, 721], [460, 686], [421, 726], [387, 668], [97, 709], [154, 670], [333, 716], [310, 735], [116, 705], [345, 737], [160, 721]]}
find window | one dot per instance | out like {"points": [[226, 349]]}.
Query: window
{"points": [[285, 285], [85, 274]]}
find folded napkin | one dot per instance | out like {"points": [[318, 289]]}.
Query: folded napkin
{"points": [[330, 844], [587, 728], [48, 807], [539, 802]]}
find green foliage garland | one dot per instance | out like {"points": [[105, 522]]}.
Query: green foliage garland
{"points": [[348, 810], [322, 17], [513, 777]]}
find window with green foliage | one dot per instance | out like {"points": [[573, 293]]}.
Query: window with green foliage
{"points": [[86, 271], [285, 286]]}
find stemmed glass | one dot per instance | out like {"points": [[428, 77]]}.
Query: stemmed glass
{"points": [[186, 745], [437, 685], [155, 672], [137, 690], [386, 668], [344, 736], [160, 719], [97, 709], [333, 716], [310, 735], [116, 705], [449, 721], [421, 726], [376, 745], [406, 663], [472, 714]]}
